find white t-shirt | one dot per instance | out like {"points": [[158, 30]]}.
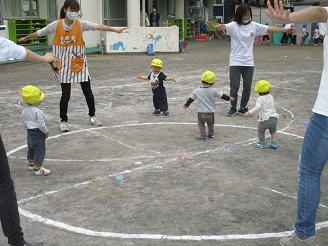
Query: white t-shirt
{"points": [[8, 50], [242, 40], [321, 104]]}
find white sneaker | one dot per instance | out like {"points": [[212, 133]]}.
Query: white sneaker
{"points": [[95, 121], [42, 172], [64, 126], [30, 166]]}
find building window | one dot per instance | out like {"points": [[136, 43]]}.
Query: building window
{"points": [[20, 8], [114, 12]]}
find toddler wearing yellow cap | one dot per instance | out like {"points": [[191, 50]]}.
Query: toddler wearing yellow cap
{"points": [[37, 132], [267, 115], [157, 78], [206, 104]]}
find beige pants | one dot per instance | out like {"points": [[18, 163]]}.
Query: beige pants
{"points": [[207, 118]]}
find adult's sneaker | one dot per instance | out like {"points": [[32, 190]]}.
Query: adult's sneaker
{"points": [[42, 172], [156, 113], [95, 121], [293, 240], [64, 126], [165, 114], [232, 112], [243, 110], [210, 136]]}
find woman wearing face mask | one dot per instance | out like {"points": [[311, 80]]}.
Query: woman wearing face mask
{"points": [[69, 47], [243, 31], [154, 17]]}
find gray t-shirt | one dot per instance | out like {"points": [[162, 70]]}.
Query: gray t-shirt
{"points": [[206, 99]]}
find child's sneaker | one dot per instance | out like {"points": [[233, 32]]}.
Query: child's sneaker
{"points": [[31, 166], [202, 137], [156, 113], [64, 126], [41, 172], [95, 121], [260, 145], [165, 114], [274, 145], [210, 136]]}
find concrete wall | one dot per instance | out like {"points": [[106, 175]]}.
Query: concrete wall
{"points": [[164, 39]]}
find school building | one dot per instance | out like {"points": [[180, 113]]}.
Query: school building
{"points": [[180, 19]]}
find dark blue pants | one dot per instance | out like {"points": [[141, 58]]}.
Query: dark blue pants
{"points": [[9, 215]]}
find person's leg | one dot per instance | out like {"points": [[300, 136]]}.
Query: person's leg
{"points": [[312, 160], [63, 105], [235, 73], [30, 153], [40, 152], [210, 121], [9, 215], [247, 74], [201, 124], [261, 135], [86, 88], [273, 131]]}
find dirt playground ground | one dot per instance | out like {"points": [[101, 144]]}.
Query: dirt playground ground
{"points": [[175, 190]]}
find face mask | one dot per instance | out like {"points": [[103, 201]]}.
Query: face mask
{"points": [[247, 21], [72, 15]]}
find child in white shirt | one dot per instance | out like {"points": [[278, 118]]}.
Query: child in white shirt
{"points": [[267, 114]]}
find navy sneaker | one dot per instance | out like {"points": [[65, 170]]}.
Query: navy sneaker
{"points": [[243, 110], [156, 113], [165, 114], [210, 136], [232, 112]]}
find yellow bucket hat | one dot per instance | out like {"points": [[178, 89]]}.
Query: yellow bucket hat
{"points": [[31, 94], [262, 86], [209, 77], [157, 63]]}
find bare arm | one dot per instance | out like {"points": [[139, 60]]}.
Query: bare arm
{"points": [[219, 27], [278, 29], [28, 37], [47, 58], [111, 29], [311, 14], [142, 77], [170, 79]]}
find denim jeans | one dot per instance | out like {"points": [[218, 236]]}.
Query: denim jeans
{"points": [[36, 146], [312, 160]]}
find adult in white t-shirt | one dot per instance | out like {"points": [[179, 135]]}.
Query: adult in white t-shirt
{"points": [[314, 153], [243, 31]]}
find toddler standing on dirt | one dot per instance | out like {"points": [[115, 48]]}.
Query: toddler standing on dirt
{"points": [[37, 132], [267, 114], [206, 104], [157, 78]]}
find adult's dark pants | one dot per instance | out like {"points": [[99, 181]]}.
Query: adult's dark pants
{"points": [[66, 95], [236, 72], [9, 215]]}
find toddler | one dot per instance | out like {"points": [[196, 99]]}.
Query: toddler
{"points": [[37, 132], [157, 78], [206, 104], [267, 114]]}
